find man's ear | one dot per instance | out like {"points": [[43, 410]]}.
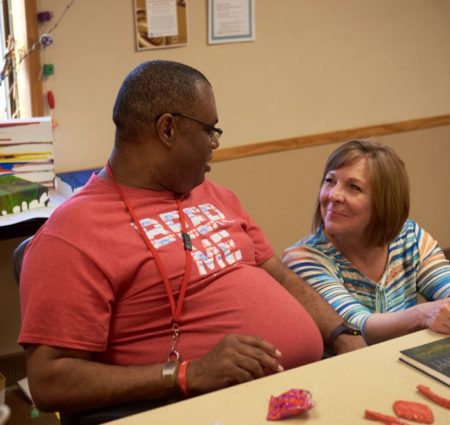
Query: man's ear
{"points": [[165, 128]]}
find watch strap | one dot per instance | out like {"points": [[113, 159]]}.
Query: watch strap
{"points": [[342, 328], [169, 374]]}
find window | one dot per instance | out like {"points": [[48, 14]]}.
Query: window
{"points": [[21, 87]]}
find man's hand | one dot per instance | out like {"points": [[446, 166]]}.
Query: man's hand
{"points": [[235, 359]]}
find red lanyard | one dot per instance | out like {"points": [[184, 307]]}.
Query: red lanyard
{"points": [[175, 307]]}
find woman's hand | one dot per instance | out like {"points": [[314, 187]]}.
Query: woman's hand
{"points": [[437, 315], [434, 315]]}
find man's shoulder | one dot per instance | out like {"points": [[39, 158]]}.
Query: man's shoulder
{"points": [[90, 200]]}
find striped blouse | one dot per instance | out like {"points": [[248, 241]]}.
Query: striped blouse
{"points": [[416, 264]]}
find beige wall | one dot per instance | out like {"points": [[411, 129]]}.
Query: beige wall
{"points": [[316, 66], [279, 190]]}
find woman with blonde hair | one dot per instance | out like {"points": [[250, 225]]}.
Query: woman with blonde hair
{"points": [[365, 257]]}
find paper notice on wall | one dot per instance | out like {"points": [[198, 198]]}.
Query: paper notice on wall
{"points": [[162, 18], [231, 21], [160, 23]]}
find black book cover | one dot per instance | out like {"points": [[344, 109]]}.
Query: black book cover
{"points": [[432, 358]]}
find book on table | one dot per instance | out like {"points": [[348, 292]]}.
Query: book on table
{"points": [[432, 358]]}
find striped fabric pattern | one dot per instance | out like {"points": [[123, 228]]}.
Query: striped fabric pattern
{"points": [[416, 264]]}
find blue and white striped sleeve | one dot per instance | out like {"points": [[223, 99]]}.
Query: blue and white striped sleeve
{"points": [[320, 272], [433, 275]]}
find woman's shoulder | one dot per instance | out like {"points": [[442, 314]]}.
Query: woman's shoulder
{"points": [[410, 231], [410, 225], [414, 243], [316, 244], [412, 240]]}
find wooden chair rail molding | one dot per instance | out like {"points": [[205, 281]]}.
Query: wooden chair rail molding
{"points": [[331, 137]]}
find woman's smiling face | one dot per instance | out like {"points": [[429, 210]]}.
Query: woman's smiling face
{"points": [[346, 202]]}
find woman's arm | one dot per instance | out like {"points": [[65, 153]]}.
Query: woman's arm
{"points": [[433, 277], [434, 315], [321, 274], [433, 282]]}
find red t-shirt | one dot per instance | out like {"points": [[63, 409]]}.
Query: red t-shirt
{"points": [[89, 281]]}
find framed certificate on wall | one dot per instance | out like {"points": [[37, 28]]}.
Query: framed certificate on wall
{"points": [[231, 21], [160, 23]]}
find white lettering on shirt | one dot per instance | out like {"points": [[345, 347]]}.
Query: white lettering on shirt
{"points": [[215, 248]]}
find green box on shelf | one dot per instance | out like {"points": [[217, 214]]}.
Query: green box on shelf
{"points": [[17, 195]]}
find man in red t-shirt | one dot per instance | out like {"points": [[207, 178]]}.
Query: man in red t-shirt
{"points": [[153, 283]]}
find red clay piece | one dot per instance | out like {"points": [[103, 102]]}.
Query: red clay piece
{"points": [[442, 401], [386, 419], [413, 411]]}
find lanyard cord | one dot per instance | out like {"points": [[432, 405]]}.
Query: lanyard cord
{"points": [[175, 307]]}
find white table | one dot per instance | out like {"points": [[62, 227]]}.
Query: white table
{"points": [[342, 388]]}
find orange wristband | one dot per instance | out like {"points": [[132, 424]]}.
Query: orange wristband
{"points": [[182, 377]]}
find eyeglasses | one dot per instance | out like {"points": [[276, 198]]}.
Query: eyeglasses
{"points": [[214, 132]]}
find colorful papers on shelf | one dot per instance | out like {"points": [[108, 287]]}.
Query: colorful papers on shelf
{"points": [[71, 182], [26, 150], [17, 195]]}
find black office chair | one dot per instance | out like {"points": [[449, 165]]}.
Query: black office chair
{"points": [[98, 416], [17, 258]]}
